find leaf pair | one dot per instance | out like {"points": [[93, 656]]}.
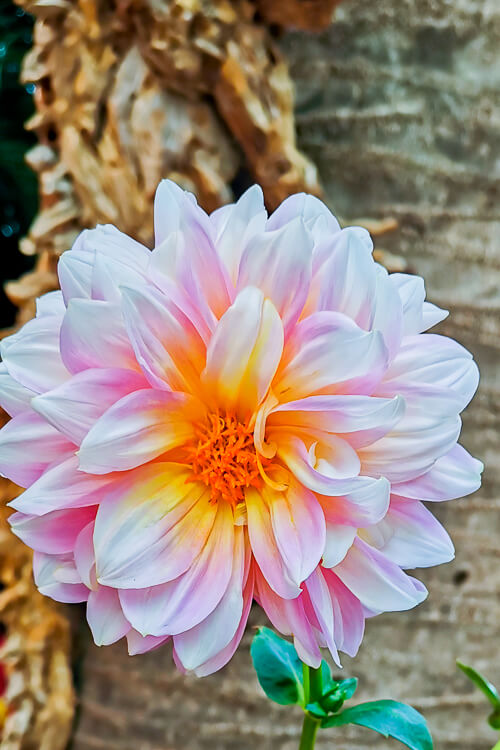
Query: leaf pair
{"points": [[280, 673]]}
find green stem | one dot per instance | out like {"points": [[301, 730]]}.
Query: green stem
{"points": [[497, 746], [313, 687]]}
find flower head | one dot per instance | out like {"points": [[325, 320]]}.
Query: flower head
{"points": [[249, 411]]}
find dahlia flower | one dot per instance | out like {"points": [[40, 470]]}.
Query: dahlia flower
{"points": [[249, 411]]}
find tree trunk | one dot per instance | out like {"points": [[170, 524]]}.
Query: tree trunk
{"points": [[397, 105]]}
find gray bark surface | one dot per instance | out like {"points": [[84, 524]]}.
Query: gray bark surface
{"points": [[398, 105]]}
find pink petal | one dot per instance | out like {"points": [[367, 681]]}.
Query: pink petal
{"points": [[455, 474], [105, 616], [433, 373], [348, 278], [364, 418], [152, 526], [166, 344], [410, 536], [329, 353], [196, 265], [235, 225], [265, 546], [85, 557], [202, 643], [329, 468], [411, 448], [48, 570], [63, 486], [244, 352], [310, 209], [14, 398], [93, 335], [289, 617], [32, 354], [179, 605], [138, 428], [349, 618], [221, 659], [298, 524], [73, 407], [321, 602], [279, 264], [139, 644], [417, 314], [54, 533], [338, 542], [51, 303], [28, 445], [364, 505], [123, 256], [377, 582]]}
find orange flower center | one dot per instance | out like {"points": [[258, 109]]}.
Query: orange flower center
{"points": [[225, 458]]}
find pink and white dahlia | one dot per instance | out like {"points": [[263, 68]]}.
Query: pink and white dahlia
{"points": [[249, 411]]}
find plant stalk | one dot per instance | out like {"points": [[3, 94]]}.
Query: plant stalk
{"points": [[313, 686]]}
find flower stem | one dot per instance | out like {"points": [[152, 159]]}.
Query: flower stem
{"points": [[313, 686]]}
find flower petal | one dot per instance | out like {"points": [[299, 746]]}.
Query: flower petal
{"points": [[28, 445], [327, 352], [364, 418], [122, 254], [14, 398], [339, 539], [364, 505], [378, 583], [265, 546], [454, 475], [418, 315], [244, 352], [139, 644], [105, 616], [54, 533], [47, 573], [279, 264], [348, 613], [236, 224], [329, 468], [166, 344], [181, 604], [289, 617], [194, 262], [410, 536], [93, 335], [152, 526], [310, 209], [411, 448], [138, 428], [434, 374], [62, 486], [85, 557], [73, 407], [198, 645], [32, 354], [221, 659]]}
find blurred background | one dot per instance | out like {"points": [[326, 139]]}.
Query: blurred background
{"points": [[391, 111]]}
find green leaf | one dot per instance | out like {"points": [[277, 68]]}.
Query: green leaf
{"points": [[279, 669], [348, 687], [389, 718], [494, 719], [482, 683]]}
